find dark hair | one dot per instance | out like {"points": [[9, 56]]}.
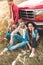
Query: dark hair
{"points": [[30, 32], [10, 0], [34, 25]]}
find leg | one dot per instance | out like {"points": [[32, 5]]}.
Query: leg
{"points": [[33, 45], [19, 45], [8, 35], [18, 37], [33, 50], [30, 48]]}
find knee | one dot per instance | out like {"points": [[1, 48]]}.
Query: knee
{"points": [[8, 35]]}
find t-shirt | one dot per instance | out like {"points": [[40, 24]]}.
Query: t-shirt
{"points": [[23, 33]]}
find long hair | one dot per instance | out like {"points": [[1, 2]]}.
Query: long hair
{"points": [[30, 32], [34, 25]]}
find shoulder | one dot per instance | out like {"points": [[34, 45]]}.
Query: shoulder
{"points": [[15, 6]]}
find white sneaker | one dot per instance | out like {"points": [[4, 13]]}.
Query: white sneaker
{"points": [[32, 55], [5, 49], [13, 63], [1, 53]]}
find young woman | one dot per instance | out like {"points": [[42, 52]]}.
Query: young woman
{"points": [[11, 27], [33, 38]]}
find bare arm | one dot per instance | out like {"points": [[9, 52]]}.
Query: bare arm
{"points": [[14, 32]]}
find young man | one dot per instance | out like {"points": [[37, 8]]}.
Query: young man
{"points": [[22, 37], [14, 12]]}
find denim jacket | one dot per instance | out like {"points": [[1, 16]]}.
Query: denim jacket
{"points": [[33, 36]]}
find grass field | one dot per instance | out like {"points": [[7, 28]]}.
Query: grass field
{"points": [[9, 57]]}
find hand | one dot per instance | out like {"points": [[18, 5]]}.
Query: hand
{"points": [[32, 29], [11, 42]]}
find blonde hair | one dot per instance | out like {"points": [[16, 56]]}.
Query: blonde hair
{"points": [[10, 22]]}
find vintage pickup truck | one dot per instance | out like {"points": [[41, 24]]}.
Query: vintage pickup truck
{"points": [[32, 10]]}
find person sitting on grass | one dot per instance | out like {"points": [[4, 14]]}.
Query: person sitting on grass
{"points": [[11, 27], [20, 34], [33, 38]]}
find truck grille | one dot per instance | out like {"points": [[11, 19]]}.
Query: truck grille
{"points": [[26, 14]]}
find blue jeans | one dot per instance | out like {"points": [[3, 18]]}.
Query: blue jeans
{"points": [[22, 43], [8, 34]]}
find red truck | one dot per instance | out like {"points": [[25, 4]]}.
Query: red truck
{"points": [[32, 10]]}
